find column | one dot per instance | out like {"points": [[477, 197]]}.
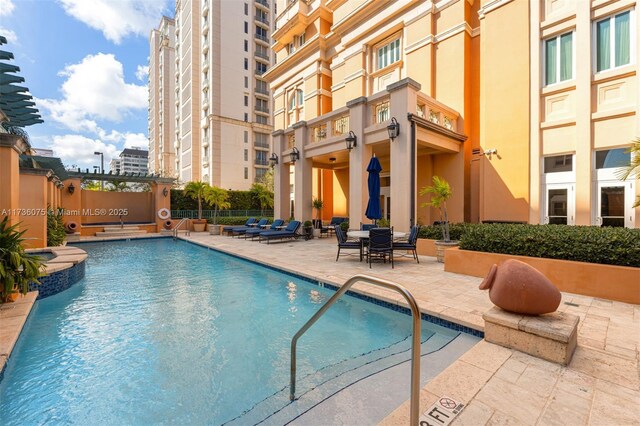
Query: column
{"points": [[11, 146], [303, 185], [281, 180], [358, 160], [403, 155]]}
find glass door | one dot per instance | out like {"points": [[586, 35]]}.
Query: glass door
{"points": [[614, 200], [559, 205]]}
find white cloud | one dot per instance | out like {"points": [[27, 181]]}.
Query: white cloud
{"points": [[142, 72], [137, 140], [117, 19], [6, 7], [79, 150], [11, 36], [94, 90]]}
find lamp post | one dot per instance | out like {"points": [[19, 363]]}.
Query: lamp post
{"points": [[101, 167]]}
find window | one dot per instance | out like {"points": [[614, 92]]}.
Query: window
{"points": [[262, 105], [246, 27], [261, 119], [246, 173], [246, 8], [246, 117], [296, 99], [613, 41], [262, 87], [558, 59], [301, 39], [246, 100], [260, 174], [261, 140], [246, 136], [246, 64], [382, 112], [261, 68], [558, 163], [388, 54], [246, 82], [246, 45], [261, 158], [246, 155], [612, 158]]}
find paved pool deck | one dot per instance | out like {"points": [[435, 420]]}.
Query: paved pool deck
{"points": [[601, 385]]}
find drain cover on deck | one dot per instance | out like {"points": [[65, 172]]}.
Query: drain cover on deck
{"points": [[442, 412]]}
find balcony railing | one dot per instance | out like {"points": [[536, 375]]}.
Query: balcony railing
{"points": [[260, 72], [262, 91], [259, 144], [319, 133], [263, 3], [261, 162], [262, 109], [262, 20]]}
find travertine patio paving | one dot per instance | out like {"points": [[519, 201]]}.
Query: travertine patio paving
{"points": [[601, 386]]}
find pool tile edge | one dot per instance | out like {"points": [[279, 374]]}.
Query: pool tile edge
{"points": [[13, 329]]}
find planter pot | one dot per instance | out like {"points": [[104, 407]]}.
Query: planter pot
{"points": [[199, 227], [316, 233], [308, 232], [214, 229], [441, 246], [11, 297]]}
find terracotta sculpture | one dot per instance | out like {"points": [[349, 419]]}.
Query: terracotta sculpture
{"points": [[71, 227], [517, 287]]}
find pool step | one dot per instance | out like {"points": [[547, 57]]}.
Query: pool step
{"points": [[117, 231], [319, 385]]}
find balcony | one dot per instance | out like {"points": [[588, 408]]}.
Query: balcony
{"points": [[262, 91], [259, 72], [262, 20], [261, 109], [263, 3], [262, 55], [292, 20], [260, 144], [261, 37], [261, 162]]}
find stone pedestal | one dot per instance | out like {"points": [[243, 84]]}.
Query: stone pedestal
{"points": [[73, 237], [552, 336]]}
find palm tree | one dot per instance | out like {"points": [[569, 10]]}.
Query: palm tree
{"points": [[263, 195], [197, 191], [440, 192], [633, 169], [218, 198], [118, 186]]}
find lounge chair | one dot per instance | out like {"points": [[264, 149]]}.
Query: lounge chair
{"points": [[335, 221], [410, 244], [380, 244], [291, 231], [242, 229], [344, 244], [249, 221], [256, 231]]}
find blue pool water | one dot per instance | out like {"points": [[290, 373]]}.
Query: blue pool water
{"points": [[163, 331]]}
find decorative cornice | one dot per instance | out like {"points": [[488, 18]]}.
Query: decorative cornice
{"points": [[405, 82], [299, 124], [426, 124], [491, 6], [356, 101]]}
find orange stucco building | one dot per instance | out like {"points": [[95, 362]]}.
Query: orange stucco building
{"points": [[510, 101]]}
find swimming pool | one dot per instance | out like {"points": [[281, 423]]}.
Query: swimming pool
{"points": [[163, 331]]}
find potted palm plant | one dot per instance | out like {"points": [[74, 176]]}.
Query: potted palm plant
{"points": [[440, 192], [17, 268], [219, 199], [308, 229], [317, 204], [197, 190]]}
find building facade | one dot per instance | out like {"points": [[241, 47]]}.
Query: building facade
{"points": [[464, 82], [223, 105], [133, 160], [162, 95]]}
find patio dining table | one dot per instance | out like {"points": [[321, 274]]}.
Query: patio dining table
{"points": [[365, 234]]}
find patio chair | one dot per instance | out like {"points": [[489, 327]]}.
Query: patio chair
{"points": [[367, 226], [344, 244], [410, 244], [242, 229], [255, 232], [291, 231], [335, 221], [229, 229], [380, 244]]}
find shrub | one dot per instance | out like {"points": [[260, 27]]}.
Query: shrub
{"points": [[55, 228], [606, 245], [233, 220], [17, 268], [434, 232]]}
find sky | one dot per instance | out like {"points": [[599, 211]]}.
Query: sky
{"points": [[85, 62]]}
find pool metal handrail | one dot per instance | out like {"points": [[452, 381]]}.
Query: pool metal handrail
{"points": [[177, 228], [415, 338]]}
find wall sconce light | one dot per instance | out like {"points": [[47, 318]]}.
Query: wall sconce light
{"points": [[295, 154], [332, 160], [351, 140], [393, 129], [273, 160], [71, 189], [490, 151], [165, 192]]}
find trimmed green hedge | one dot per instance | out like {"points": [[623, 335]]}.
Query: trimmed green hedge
{"points": [[240, 200], [606, 245], [233, 220], [434, 232]]}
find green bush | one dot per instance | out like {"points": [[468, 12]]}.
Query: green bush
{"points": [[606, 245], [239, 200], [233, 220], [434, 232], [55, 228]]}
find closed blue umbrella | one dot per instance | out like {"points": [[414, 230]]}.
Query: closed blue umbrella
{"points": [[374, 211]]}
